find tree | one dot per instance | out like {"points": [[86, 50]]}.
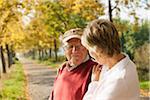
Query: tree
{"points": [[57, 21], [3, 59], [50, 13], [8, 17], [122, 26], [133, 40], [142, 61], [87, 9], [127, 6]]}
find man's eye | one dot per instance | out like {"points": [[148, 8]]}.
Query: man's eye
{"points": [[70, 46]]}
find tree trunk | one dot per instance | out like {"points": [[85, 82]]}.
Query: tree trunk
{"points": [[3, 59], [33, 53], [42, 54], [110, 10], [122, 39], [55, 49], [45, 52], [39, 54], [50, 52], [9, 54]]}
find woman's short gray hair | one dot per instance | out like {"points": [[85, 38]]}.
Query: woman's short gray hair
{"points": [[102, 34]]}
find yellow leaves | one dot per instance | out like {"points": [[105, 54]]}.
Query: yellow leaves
{"points": [[4, 39], [1, 1], [126, 2], [64, 1], [88, 17], [77, 8], [12, 33], [3, 17], [88, 9], [135, 27], [67, 3], [38, 35], [121, 27]]}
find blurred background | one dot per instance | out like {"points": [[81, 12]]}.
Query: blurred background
{"points": [[32, 28]]}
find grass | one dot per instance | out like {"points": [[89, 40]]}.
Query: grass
{"points": [[145, 85], [14, 85], [54, 64], [51, 63]]}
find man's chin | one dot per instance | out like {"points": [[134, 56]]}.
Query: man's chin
{"points": [[75, 64], [75, 61]]}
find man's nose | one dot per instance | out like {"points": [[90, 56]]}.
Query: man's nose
{"points": [[74, 49]]}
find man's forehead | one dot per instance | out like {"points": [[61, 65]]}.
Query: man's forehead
{"points": [[76, 40], [72, 42]]}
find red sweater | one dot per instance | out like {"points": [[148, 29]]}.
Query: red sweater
{"points": [[72, 85]]}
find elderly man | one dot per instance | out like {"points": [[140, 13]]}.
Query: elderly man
{"points": [[75, 74]]}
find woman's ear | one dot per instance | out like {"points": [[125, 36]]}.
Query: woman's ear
{"points": [[99, 51]]}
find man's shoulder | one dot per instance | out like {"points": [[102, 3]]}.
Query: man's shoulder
{"points": [[63, 65], [90, 61]]}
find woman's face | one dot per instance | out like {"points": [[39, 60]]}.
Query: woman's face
{"points": [[97, 54]]}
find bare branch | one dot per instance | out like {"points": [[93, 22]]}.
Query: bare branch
{"points": [[115, 6]]}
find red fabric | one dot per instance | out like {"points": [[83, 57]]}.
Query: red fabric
{"points": [[72, 85]]}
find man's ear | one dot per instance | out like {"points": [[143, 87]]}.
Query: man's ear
{"points": [[66, 59]]}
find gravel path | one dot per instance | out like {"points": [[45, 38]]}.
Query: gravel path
{"points": [[39, 79]]}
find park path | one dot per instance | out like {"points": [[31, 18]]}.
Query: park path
{"points": [[39, 79]]}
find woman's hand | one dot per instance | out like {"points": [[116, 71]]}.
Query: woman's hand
{"points": [[96, 72]]}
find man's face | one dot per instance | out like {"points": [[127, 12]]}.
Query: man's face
{"points": [[75, 51]]}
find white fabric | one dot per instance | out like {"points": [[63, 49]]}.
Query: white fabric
{"points": [[118, 83], [70, 37]]}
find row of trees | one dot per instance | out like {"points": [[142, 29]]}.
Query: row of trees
{"points": [[36, 25], [8, 18]]}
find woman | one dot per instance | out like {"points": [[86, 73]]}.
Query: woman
{"points": [[118, 79]]}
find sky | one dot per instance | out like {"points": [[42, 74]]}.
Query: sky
{"points": [[27, 18], [142, 13]]}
